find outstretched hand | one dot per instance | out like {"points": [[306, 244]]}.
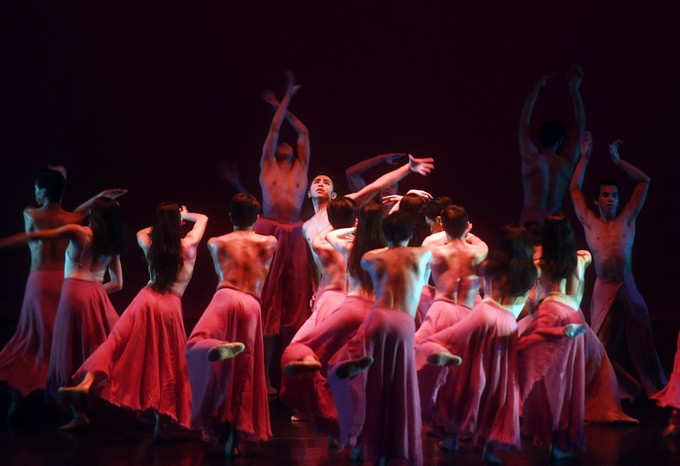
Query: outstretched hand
{"points": [[391, 199], [586, 144], [291, 88], [113, 193], [419, 192], [421, 166], [468, 229], [614, 150], [575, 75], [270, 97]]}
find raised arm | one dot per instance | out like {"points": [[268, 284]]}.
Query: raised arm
{"points": [[303, 149], [421, 166], [200, 221], [336, 238], [70, 231], [642, 180], [580, 204], [526, 146], [85, 207], [571, 148], [354, 178], [115, 282], [269, 148]]}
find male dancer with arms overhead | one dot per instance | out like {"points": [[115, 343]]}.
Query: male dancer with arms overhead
{"points": [[546, 172], [230, 397], [616, 305], [283, 180]]}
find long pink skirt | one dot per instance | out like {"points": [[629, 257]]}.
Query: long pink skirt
{"points": [[670, 395], [441, 315], [25, 358], [326, 302], [380, 408], [552, 378], [426, 300], [84, 319], [481, 397], [310, 394], [141, 365], [233, 391], [288, 287]]}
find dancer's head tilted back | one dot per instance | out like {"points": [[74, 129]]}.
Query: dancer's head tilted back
{"points": [[108, 227], [244, 210], [558, 258], [510, 265], [322, 189], [285, 152], [367, 237], [165, 252]]}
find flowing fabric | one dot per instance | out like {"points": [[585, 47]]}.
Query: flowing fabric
{"points": [[379, 410], [25, 358], [620, 319], [480, 398], [552, 375], [233, 391], [310, 393], [288, 287], [670, 395], [324, 304], [426, 300], [441, 314], [85, 317]]}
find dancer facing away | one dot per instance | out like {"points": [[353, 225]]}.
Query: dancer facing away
{"points": [[552, 368], [85, 316], [141, 365], [618, 312], [386, 417], [546, 172], [230, 393], [305, 360], [283, 180], [25, 358], [481, 398]]}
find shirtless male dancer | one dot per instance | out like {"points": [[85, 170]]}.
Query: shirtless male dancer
{"points": [[230, 398], [25, 358], [618, 312], [546, 172], [283, 180]]}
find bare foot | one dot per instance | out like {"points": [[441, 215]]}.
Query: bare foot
{"points": [[302, 366], [574, 330], [351, 368], [450, 443], [225, 351], [77, 421], [70, 393], [444, 359]]}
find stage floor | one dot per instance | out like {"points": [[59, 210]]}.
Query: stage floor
{"points": [[117, 437]]}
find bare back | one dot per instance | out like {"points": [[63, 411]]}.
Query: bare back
{"points": [[398, 275], [545, 179], [242, 260], [568, 290], [48, 254], [455, 272], [284, 186]]}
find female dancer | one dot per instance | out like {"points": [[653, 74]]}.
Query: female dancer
{"points": [[141, 365]]}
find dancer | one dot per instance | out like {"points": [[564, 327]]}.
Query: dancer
{"points": [[546, 172], [230, 393], [618, 312], [305, 361], [670, 396], [385, 418], [141, 364], [481, 398], [283, 180], [25, 358], [355, 173], [552, 368]]}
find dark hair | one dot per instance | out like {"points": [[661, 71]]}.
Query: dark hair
{"points": [[342, 212], [413, 206], [608, 182], [552, 131], [397, 227], [535, 231], [510, 263], [558, 259], [165, 254], [454, 221], [108, 227], [244, 209], [53, 182], [368, 236]]}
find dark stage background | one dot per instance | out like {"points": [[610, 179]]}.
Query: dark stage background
{"points": [[155, 98]]}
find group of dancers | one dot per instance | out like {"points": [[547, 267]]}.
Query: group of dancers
{"points": [[414, 320]]}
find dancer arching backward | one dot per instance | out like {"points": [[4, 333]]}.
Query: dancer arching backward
{"points": [[546, 172], [283, 180], [618, 312], [552, 368], [141, 365], [381, 407], [230, 393], [456, 274], [305, 361], [25, 358], [85, 316], [481, 398]]}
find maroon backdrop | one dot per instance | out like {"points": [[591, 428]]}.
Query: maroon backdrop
{"points": [[155, 98]]}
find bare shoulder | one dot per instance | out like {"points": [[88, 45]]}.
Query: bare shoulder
{"points": [[267, 241]]}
